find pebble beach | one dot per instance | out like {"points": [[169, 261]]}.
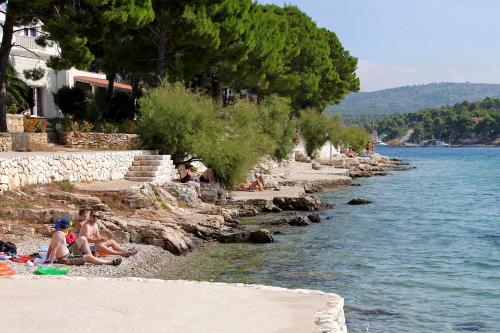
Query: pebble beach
{"points": [[147, 263]]}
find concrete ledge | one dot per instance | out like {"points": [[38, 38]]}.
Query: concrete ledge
{"points": [[139, 305]]}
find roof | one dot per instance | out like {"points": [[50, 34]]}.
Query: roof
{"points": [[102, 82]]}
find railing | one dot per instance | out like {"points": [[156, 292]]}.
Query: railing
{"points": [[27, 42]]}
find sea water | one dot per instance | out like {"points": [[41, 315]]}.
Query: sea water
{"points": [[423, 257]]}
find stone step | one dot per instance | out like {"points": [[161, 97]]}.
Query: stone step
{"points": [[146, 162], [141, 174], [140, 179], [152, 157], [143, 168]]}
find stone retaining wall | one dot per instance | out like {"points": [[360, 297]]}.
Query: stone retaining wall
{"points": [[21, 169], [99, 140], [15, 123], [5, 142], [28, 141]]}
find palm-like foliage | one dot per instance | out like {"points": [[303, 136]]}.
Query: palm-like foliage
{"points": [[17, 89]]}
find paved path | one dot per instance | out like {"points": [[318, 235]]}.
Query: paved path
{"points": [[69, 305]]}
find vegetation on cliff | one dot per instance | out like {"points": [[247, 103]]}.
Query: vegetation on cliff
{"points": [[363, 106], [466, 122]]}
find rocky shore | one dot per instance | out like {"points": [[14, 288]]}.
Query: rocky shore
{"points": [[169, 219]]}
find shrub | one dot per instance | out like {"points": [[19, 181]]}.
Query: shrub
{"points": [[108, 128], [29, 125], [41, 125], [275, 114], [229, 140], [356, 137], [86, 126], [315, 129], [71, 101], [130, 126], [33, 125], [73, 126], [120, 107], [172, 117]]}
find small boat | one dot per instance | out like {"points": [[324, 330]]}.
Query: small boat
{"points": [[440, 143]]}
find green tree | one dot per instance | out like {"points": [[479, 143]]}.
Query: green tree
{"points": [[74, 25]]}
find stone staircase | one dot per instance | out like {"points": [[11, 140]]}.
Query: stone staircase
{"points": [[151, 168], [51, 135]]}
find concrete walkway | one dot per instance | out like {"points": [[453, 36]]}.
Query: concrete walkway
{"points": [[100, 305]]}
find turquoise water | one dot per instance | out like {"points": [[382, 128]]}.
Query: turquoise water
{"points": [[424, 257]]}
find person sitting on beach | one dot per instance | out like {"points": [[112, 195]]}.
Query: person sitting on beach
{"points": [[82, 218], [258, 183], [351, 153], [90, 230], [76, 254]]}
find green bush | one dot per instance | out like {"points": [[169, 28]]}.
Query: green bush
{"points": [[172, 117], [229, 140], [315, 129], [275, 114], [71, 101], [356, 138]]}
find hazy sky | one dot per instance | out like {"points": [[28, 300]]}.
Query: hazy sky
{"points": [[402, 42]]}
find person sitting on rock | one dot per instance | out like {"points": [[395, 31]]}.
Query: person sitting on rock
{"points": [[188, 176], [77, 254], [90, 230]]}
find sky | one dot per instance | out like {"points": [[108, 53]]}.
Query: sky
{"points": [[407, 42]]}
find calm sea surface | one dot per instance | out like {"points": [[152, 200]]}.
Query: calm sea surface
{"points": [[424, 257]]}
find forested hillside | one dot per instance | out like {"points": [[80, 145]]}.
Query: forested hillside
{"points": [[463, 123], [366, 105]]}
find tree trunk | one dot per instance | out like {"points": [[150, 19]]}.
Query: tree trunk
{"points": [[8, 29], [161, 64], [111, 83]]}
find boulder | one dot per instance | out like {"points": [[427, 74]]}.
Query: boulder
{"points": [[316, 166], [314, 218], [121, 236], [302, 203], [260, 236], [17, 229], [271, 208], [296, 221], [359, 201]]}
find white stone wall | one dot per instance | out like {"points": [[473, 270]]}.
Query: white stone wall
{"points": [[21, 169]]}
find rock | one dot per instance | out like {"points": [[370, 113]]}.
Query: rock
{"points": [[316, 166], [302, 203], [121, 236], [260, 236], [314, 218], [271, 208], [247, 210], [81, 200], [16, 229], [296, 221], [359, 201]]}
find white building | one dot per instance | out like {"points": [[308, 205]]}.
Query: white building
{"points": [[26, 54]]}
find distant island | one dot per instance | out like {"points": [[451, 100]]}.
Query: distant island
{"points": [[363, 106], [464, 123]]}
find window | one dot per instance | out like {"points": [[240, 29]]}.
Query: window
{"points": [[30, 32]]}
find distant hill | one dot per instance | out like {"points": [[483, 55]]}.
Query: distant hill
{"points": [[364, 105]]}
